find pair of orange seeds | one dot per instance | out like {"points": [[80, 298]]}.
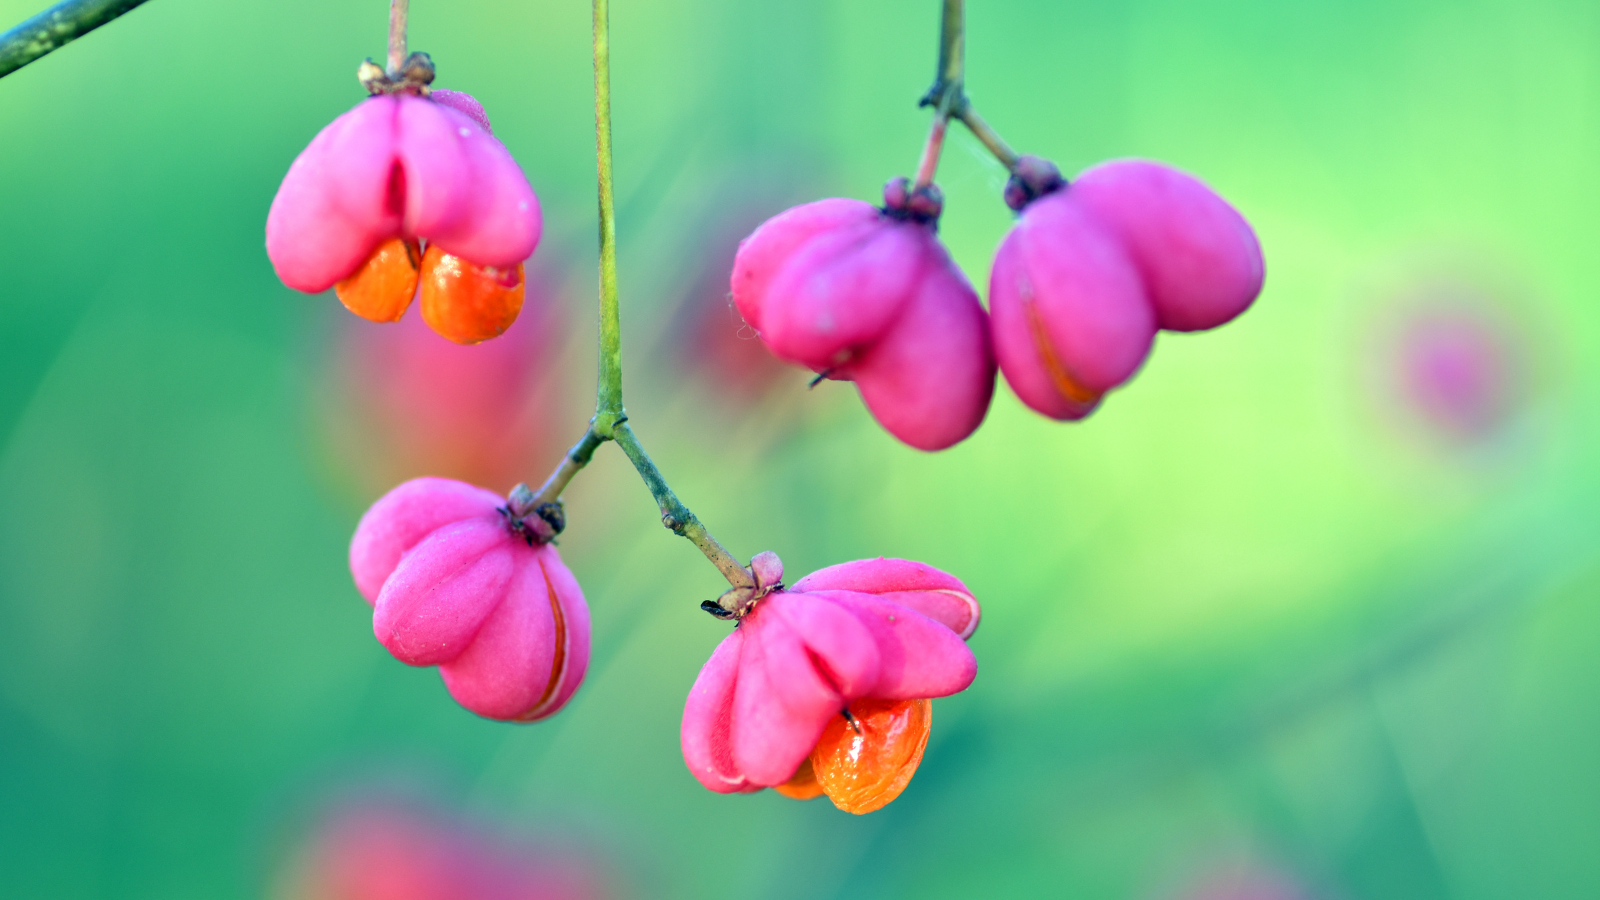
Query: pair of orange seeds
{"points": [[462, 301], [866, 756]]}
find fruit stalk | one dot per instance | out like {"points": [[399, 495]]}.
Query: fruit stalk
{"points": [[576, 459], [610, 421], [398, 10], [608, 407], [948, 97], [677, 517], [988, 136]]}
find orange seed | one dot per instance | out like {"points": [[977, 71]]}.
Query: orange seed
{"points": [[383, 287], [466, 302], [803, 786], [862, 771]]}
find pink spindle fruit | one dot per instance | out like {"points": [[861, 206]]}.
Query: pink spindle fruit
{"points": [[872, 632], [869, 295], [1199, 259], [1092, 269], [459, 582], [400, 166]]}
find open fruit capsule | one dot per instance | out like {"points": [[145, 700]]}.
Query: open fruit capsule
{"points": [[468, 303], [865, 760], [383, 287]]}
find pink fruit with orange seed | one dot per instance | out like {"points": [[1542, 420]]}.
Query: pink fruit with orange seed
{"points": [[882, 630], [396, 170], [457, 582], [399, 166]]}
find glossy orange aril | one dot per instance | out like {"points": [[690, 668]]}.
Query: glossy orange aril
{"points": [[803, 786], [383, 287], [466, 302], [863, 770]]}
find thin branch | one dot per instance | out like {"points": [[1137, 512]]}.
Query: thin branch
{"points": [[676, 516], [990, 138], [608, 406], [55, 28], [948, 82], [948, 97], [398, 10], [610, 421], [929, 163], [570, 465]]}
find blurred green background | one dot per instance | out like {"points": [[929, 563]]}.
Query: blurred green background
{"points": [[1266, 618]]}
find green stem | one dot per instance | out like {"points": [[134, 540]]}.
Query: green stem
{"points": [[55, 28], [676, 516], [610, 421], [948, 96], [608, 399], [990, 138], [575, 460]]}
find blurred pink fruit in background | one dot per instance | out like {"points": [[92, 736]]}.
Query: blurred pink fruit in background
{"points": [[390, 851], [709, 336], [1461, 368], [1246, 884], [402, 403]]}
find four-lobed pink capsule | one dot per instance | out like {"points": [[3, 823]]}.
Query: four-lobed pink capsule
{"points": [[869, 295], [1093, 269], [457, 582], [881, 629]]}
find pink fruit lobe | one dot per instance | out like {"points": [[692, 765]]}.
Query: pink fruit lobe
{"points": [[1092, 269], [1199, 258]]}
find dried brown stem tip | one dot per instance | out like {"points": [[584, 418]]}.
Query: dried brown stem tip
{"points": [[1032, 178], [415, 76], [766, 570], [920, 204], [537, 522]]}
